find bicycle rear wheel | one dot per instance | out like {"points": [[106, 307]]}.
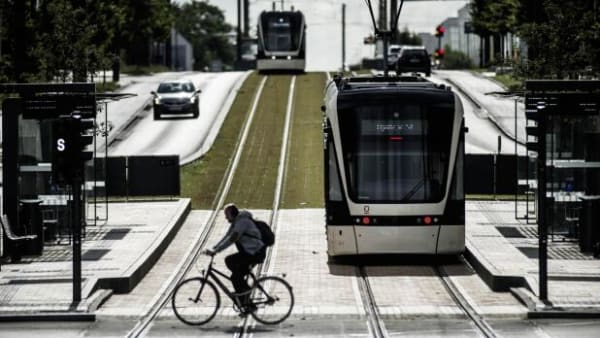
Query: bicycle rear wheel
{"points": [[195, 301], [274, 300]]}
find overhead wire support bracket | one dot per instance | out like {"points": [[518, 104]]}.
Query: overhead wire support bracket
{"points": [[383, 34]]}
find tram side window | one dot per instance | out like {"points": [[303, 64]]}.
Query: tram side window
{"points": [[335, 191], [457, 192]]}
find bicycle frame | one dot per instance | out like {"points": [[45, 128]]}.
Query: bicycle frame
{"points": [[212, 273]]}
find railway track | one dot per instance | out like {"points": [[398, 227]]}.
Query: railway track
{"points": [[244, 328], [479, 322], [376, 323]]}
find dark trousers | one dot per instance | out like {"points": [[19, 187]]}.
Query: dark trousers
{"points": [[239, 264]]}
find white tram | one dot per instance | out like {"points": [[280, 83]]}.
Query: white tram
{"points": [[281, 41], [394, 149]]}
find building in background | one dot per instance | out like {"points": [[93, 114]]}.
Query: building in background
{"points": [[459, 36], [182, 53], [176, 53]]}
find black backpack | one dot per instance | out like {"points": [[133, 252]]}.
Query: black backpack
{"points": [[266, 234]]}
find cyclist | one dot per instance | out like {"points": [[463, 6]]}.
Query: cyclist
{"points": [[251, 250]]}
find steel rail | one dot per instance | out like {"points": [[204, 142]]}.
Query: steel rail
{"points": [[464, 305], [143, 324], [374, 322], [248, 323]]}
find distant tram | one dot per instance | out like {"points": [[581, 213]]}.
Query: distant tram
{"points": [[393, 150], [281, 41]]}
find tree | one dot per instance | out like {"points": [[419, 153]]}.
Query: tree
{"points": [[562, 38], [144, 21], [18, 35], [503, 21], [49, 40], [494, 19], [205, 27], [407, 38]]}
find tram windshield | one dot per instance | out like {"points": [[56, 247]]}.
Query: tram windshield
{"points": [[281, 32], [396, 152]]}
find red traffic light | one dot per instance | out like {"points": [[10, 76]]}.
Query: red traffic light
{"points": [[439, 31], [439, 53]]}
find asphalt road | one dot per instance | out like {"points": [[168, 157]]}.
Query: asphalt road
{"points": [[174, 135], [308, 327]]}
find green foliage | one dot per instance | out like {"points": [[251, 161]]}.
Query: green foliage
{"points": [[103, 87], [455, 59], [562, 40], [204, 26], [67, 40], [561, 35], [143, 70], [494, 17], [509, 81], [405, 37], [202, 179], [146, 20]]}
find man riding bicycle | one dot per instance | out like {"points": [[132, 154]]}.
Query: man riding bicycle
{"points": [[251, 250]]}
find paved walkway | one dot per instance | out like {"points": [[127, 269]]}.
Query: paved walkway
{"points": [[505, 249], [123, 250], [115, 257]]}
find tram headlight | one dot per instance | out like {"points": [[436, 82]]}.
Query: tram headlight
{"points": [[273, 57], [289, 57]]}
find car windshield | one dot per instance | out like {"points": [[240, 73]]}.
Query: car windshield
{"points": [[175, 87], [414, 53]]}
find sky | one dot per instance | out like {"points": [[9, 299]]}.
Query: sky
{"points": [[323, 20]]}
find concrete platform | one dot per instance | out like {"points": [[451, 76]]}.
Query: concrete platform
{"points": [[503, 250], [40, 288], [115, 257]]}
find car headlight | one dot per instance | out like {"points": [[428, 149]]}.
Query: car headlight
{"points": [[193, 99], [157, 100]]}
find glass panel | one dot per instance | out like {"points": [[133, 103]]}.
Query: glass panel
{"points": [[396, 152], [282, 31], [279, 35]]}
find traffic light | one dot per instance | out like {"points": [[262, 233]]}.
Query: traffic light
{"points": [[85, 124], [439, 31], [439, 53], [63, 149], [71, 138]]}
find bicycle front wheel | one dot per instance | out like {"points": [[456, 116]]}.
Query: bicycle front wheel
{"points": [[274, 300], [195, 301]]}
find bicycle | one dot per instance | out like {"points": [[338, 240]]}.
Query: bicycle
{"points": [[196, 300]]}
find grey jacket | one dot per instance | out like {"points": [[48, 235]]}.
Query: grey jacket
{"points": [[244, 232]]}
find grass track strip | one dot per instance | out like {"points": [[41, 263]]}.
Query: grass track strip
{"points": [[303, 184], [201, 179], [254, 184]]}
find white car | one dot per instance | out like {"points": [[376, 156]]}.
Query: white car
{"points": [[393, 53], [176, 98]]}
